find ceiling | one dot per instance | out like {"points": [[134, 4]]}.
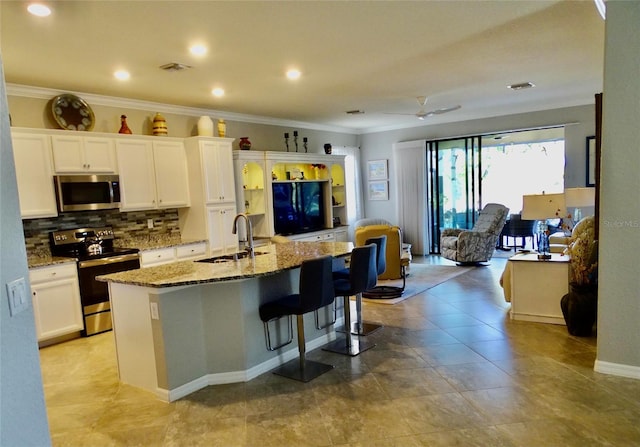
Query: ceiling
{"points": [[373, 56]]}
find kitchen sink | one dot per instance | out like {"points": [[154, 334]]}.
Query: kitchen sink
{"points": [[231, 257]]}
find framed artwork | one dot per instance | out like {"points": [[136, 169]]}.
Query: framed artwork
{"points": [[379, 190], [378, 170], [591, 161]]}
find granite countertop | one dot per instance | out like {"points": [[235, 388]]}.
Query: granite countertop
{"points": [[276, 258], [153, 242], [43, 259]]}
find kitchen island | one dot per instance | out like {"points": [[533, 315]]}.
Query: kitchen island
{"points": [[183, 326]]}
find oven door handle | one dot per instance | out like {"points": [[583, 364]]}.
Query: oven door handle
{"points": [[109, 260]]}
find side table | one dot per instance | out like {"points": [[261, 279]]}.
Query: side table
{"points": [[537, 286]]}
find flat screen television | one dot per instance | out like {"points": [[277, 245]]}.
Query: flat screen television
{"points": [[298, 207]]}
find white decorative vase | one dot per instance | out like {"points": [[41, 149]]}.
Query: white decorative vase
{"points": [[205, 126]]}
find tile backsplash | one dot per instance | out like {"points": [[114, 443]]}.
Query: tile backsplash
{"points": [[125, 225]]}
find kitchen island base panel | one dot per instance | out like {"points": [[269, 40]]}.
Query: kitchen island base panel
{"points": [[204, 334]]}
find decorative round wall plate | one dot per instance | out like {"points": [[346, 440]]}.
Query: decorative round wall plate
{"points": [[72, 112]]}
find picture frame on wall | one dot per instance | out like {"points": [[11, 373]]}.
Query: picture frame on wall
{"points": [[378, 170], [591, 161], [379, 190]]}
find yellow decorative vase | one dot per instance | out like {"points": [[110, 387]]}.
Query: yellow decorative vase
{"points": [[222, 128], [160, 126]]}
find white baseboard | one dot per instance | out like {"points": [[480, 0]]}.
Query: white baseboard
{"points": [[242, 375], [617, 369]]}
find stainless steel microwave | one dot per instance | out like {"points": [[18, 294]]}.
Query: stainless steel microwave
{"points": [[87, 192]]}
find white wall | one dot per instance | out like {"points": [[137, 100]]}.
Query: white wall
{"points": [[619, 282], [23, 418], [377, 146]]}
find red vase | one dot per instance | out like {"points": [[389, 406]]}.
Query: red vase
{"points": [[244, 143]]}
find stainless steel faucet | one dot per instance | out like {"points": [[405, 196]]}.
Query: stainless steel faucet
{"points": [[249, 243]]}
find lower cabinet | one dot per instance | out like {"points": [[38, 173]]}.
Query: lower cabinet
{"points": [[56, 300], [220, 223], [186, 252], [331, 235]]}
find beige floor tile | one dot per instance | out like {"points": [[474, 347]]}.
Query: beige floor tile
{"points": [[450, 368], [413, 382], [439, 412]]}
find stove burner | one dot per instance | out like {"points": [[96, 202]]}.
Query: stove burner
{"points": [[86, 243]]}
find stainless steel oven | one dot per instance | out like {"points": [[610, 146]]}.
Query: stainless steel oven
{"points": [[95, 294], [96, 255]]}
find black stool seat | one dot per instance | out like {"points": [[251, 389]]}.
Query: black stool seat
{"points": [[316, 291]]}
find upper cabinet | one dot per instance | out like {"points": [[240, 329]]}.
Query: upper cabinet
{"points": [[34, 173], [74, 154], [153, 174], [219, 183]]}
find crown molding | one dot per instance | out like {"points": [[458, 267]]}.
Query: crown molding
{"points": [[27, 91]]}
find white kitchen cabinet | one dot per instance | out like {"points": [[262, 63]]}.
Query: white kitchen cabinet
{"points": [[74, 154], [187, 252], [56, 300], [159, 256], [167, 255], [221, 237], [217, 158], [34, 173], [212, 191], [172, 184], [152, 174]]}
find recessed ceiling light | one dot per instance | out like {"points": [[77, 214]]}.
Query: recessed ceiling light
{"points": [[121, 75], [521, 86], [38, 9], [217, 92], [198, 50], [294, 74]]}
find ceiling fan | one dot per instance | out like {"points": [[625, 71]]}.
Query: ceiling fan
{"points": [[422, 113]]}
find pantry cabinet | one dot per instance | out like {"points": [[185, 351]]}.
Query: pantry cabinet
{"points": [[56, 300], [212, 189], [83, 154], [34, 174]]}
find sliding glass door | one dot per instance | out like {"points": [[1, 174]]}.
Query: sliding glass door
{"points": [[467, 173], [454, 190]]}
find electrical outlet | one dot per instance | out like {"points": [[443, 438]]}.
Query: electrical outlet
{"points": [[18, 299], [150, 223]]}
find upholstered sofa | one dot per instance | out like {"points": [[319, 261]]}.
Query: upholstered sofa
{"points": [[477, 244]]}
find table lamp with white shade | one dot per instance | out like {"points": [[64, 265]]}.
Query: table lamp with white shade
{"points": [[541, 207], [578, 198]]}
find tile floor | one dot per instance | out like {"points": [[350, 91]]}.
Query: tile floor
{"points": [[449, 368]]}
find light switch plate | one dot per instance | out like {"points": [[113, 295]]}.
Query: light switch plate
{"points": [[154, 311], [17, 294]]}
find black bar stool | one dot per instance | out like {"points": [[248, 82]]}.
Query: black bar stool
{"points": [[362, 276], [316, 291], [360, 327]]}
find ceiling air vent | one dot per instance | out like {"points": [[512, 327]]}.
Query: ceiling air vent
{"points": [[521, 86], [174, 66], [354, 112]]}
